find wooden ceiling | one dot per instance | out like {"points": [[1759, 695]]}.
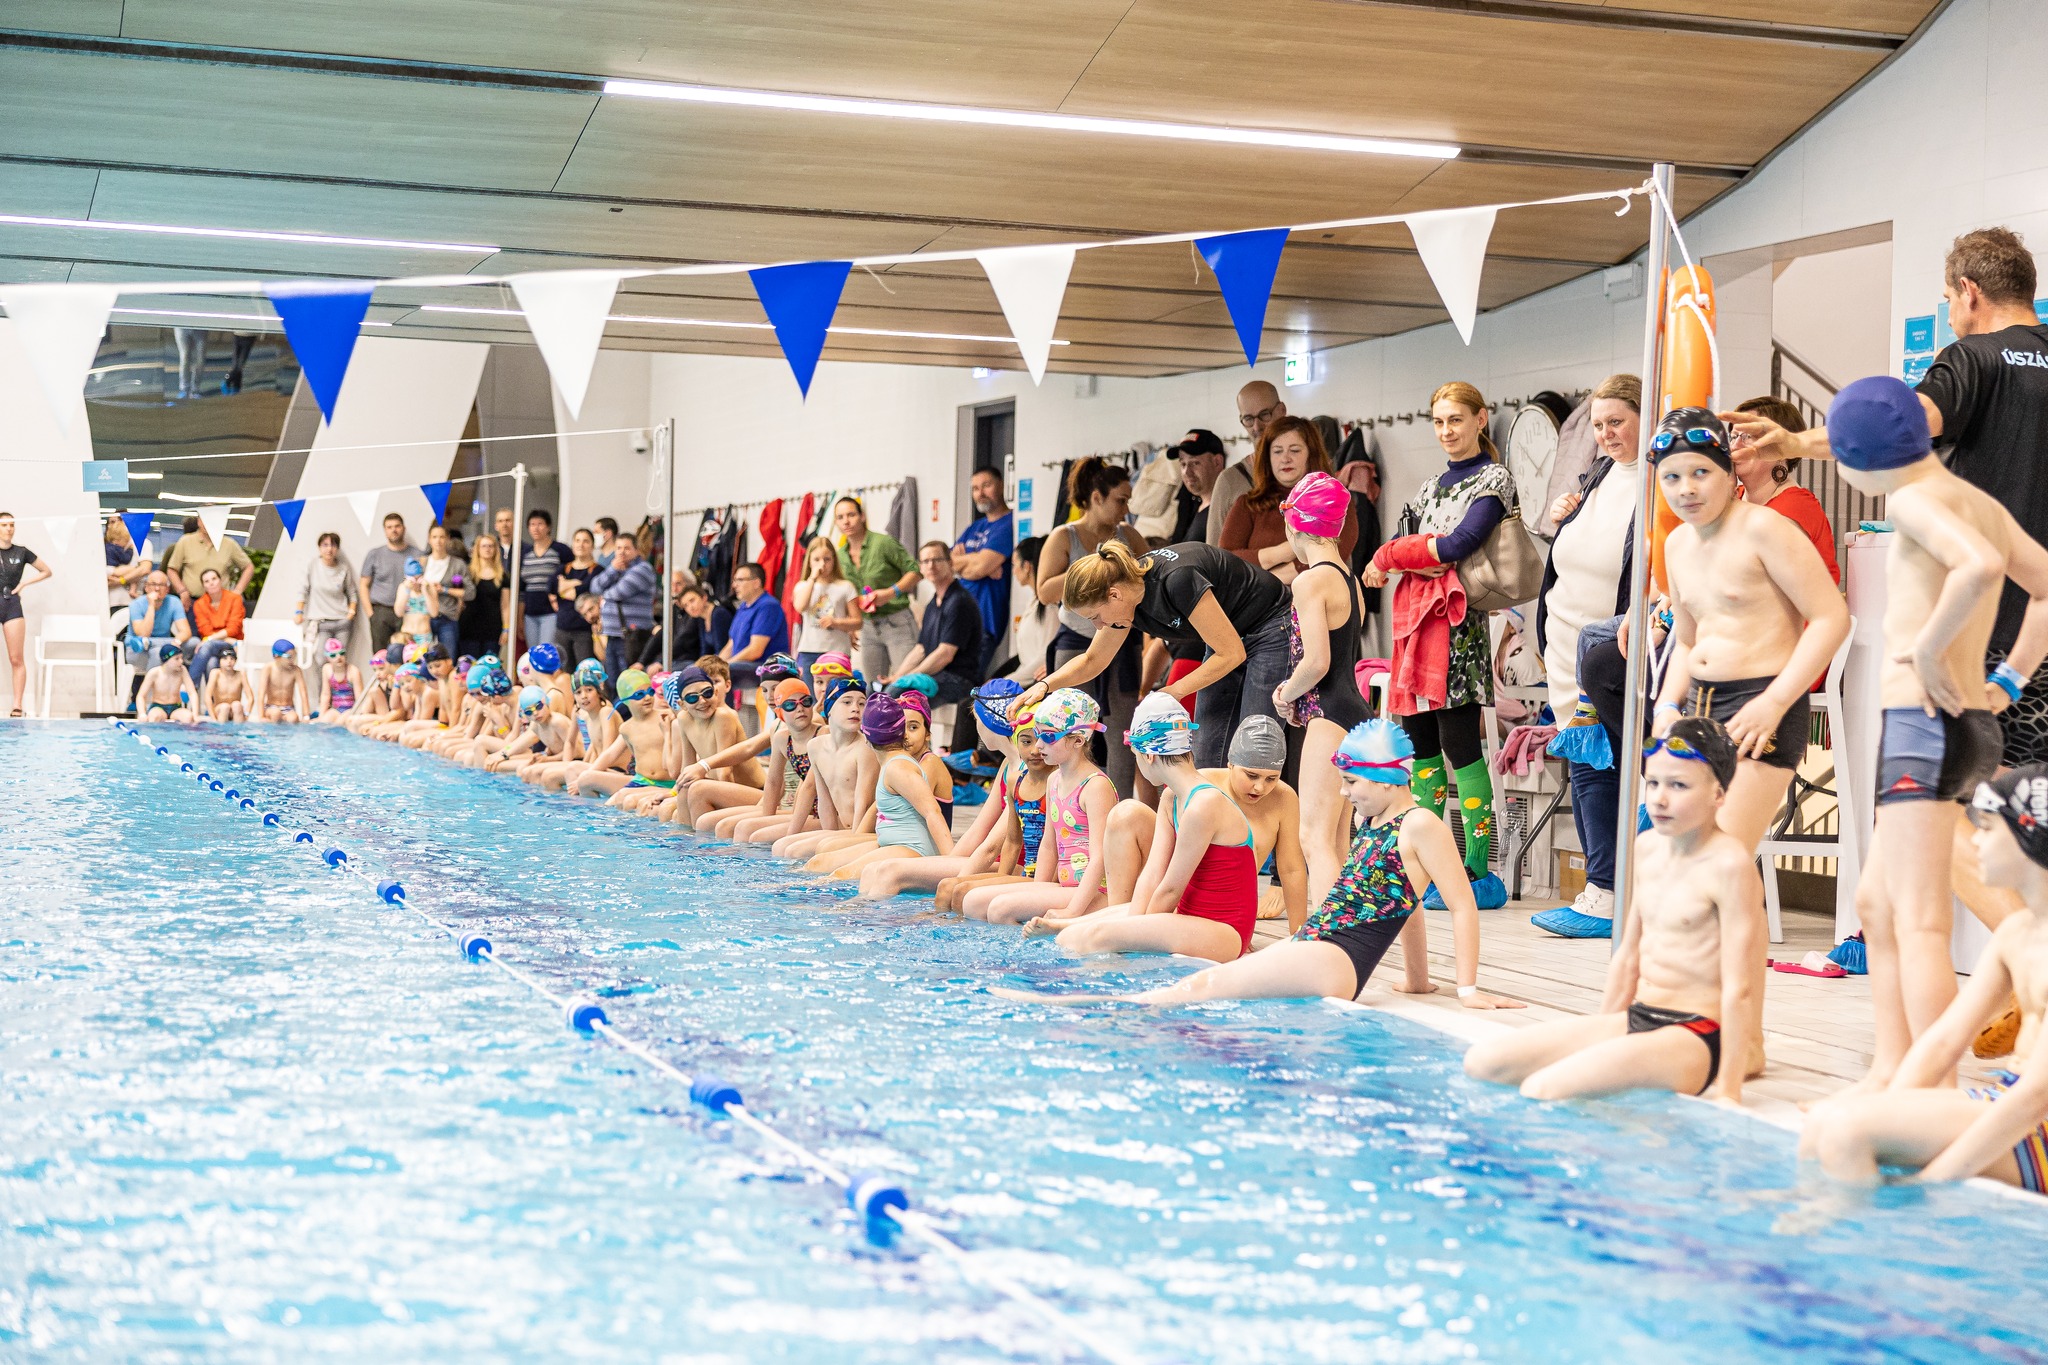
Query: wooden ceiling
{"points": [[482, 121]]}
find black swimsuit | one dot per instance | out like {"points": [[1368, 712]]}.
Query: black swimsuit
{"points": [[1335, 696], [1648, 1018]]}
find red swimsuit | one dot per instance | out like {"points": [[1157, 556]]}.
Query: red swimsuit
{"points": [[1225, 885]]}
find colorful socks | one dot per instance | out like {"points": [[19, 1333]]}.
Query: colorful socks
{"points": [[1426, 784], [1475, 810]]}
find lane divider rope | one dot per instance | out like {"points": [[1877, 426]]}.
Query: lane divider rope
{"points": [[880, 1200]]}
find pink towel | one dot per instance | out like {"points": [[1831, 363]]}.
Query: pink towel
{"points": [[1425, 609]]}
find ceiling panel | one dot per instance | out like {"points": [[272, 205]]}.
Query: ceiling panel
{"points": [[45, 191], [1464, 77], [944, 51], [101, 17], [1869, 16], [55, 104]]}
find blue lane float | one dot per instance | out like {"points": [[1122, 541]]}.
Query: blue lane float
{"points": [[880, 1202]]}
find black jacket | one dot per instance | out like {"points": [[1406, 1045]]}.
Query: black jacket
{"points": [[1588, 481]]}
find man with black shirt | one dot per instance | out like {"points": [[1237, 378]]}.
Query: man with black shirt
{"points": [[949, 641], [1986, 399], [1201, 457]]}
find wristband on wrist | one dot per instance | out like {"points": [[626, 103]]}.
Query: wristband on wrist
{"points": [[2009, 679], [1464, 991], [1670, 706]]}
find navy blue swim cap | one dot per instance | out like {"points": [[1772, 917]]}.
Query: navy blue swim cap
{"points": [[545, 657], [1877, 423]]}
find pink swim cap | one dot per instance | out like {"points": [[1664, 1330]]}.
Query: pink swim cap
{"points": [[1317, 506]]}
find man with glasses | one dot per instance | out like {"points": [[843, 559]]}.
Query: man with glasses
{"points": [[949, 643], [1258, 407], [759, 630]]}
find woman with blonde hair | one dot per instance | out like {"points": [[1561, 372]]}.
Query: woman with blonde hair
{"points": [[1190, 593], [824, 603], [1443, 678], [1255, 531], [481, 627]]}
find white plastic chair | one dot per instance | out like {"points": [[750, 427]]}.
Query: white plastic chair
{"points": [[90, 632], [1850, 813]]}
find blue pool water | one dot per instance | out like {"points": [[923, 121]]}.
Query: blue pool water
{"points": [[250, 1113]]}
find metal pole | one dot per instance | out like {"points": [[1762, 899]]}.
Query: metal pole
{"points": [[665, 442], [512, 621], [1631, 756]]}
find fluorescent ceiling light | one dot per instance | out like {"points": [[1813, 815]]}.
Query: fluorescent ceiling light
{"points": [[267, 319], [135, 474], [246, 234], [1018, 118], [743, 326]]}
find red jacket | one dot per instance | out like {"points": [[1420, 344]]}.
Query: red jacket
{"points": [[1425, 609]]}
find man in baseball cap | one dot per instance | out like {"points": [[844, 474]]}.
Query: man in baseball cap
{"points": [[1201, 458]]}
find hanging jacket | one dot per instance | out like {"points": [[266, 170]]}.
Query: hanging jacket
{"points": [[1425, 609], [798, 544], [903, 515], [770, 561], [709, 528]]}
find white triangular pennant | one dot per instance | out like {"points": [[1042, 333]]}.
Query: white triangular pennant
{"points": [[1452, 245], [1030, 282], [364, 505], [215, 520], [59, 530], [60, 327], [566, 311]]}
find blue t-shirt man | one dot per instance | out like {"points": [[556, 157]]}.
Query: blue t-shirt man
{"points": [[992, 594], [762, 616], [147, 630]]}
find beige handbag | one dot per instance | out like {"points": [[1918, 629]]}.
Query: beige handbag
{"points": [[1504, 572]]}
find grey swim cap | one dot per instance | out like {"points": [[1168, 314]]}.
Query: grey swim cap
{"points": [[1259, 743]]}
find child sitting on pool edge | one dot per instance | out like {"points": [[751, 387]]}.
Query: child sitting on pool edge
{"points": [[1078, 799], [1682, 982], [906, 818]]}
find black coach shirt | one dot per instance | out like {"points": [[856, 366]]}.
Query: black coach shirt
{"points": [[955, 619], [1992, 393], [1177, 576]]}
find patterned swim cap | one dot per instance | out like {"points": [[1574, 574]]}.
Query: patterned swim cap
{"points": [[992, 704], [590, 673], [1160, 727], [1377, 751], [1066, 711]]}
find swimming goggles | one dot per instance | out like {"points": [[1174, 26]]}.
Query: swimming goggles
{"points": [[643, 692], [1155, 737], [1677, 748], [692, 698], [792, 704], [1693, 436]]}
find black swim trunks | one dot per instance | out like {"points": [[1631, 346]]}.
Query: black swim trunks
{"points": [[1721, 700], [1648, 1018], [10, 607], [1935, 758]]}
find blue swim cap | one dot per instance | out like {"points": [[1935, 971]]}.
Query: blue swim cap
{"points": [[164, 653], [839, 687], [672, 690], [992, 704], [545, 657], [1377, 751], [496, 684], [280, 648], [915, 682], [395, 655], [590, 673], [412, 568], [532, 699], [1877, 423]]}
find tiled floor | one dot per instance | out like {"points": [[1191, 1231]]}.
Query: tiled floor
{"points": [[1817, 1031]]}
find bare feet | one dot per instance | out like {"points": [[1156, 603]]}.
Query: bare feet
{"points": [[1038, 928]]}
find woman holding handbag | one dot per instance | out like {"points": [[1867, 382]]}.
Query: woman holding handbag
{"points": [[1444, 656]]}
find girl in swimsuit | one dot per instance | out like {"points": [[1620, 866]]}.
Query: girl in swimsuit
{"points": [[917, 735], [1198, 895], [1010, 858], [989, 843], [1401, 848], [905, 816], [1068, 877], [596, 724], [789, 767], [1321, 695], [340, 684]]}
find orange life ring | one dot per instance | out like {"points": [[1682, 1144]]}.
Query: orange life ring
{"points": [[1686, 379]]}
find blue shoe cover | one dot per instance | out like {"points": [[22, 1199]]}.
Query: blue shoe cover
{"points": [[1566, 922]]}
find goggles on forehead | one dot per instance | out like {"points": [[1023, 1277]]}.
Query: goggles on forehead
{"points": [[1677, 748], [1692, 436]]}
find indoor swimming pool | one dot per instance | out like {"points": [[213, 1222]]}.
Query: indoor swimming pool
{"points": [[252, 1112]]}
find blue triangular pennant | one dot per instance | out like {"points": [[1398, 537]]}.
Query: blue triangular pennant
{"points": [[138, 524], [289, 512], [1244, 264], [321, 322], [437, 496], [800, 300]]}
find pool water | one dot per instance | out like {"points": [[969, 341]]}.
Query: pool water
{"points": [[251, 1113]]}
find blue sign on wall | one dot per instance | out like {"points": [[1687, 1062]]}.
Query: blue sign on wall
{"points": [[1920, 334], [106, 476], [1024, 495], [1915, 368]]}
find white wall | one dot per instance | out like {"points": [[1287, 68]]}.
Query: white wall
{"points": [[1953, 135], [397, 391], [1835, 309], [40, 478], [602, 476]]}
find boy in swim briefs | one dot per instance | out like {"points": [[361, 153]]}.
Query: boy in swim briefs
{"points": [[642, 734], [1951, 550], [227, 688], [1919, 1118], [1683, 979], [285, 694], [167, 691], [1755, 614]]}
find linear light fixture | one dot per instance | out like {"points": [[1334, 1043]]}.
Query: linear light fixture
{"points": [[742, 326], [1020, 118], [245, 234], [265, 318]]}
